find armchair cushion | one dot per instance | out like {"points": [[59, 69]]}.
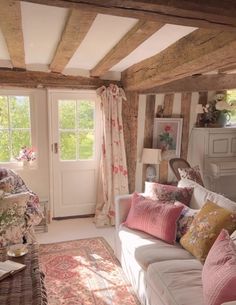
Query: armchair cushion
{"points": [[12, 218]]}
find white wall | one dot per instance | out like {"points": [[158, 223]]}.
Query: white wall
{"points": [[36, 178]]}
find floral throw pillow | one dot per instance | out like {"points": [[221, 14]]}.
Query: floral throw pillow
{"points": [[205, 228], [168, 193], [191, 173], [185, 220], [12, 218]]}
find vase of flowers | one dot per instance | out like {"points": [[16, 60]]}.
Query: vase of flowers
{"points": [[26, 155], [217, 112]]}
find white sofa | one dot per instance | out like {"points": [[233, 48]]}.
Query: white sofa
{"points": [[160, 273]]}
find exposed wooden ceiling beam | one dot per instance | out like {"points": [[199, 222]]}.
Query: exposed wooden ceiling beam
{"points": [[197, 83], [137, 35], [201, 51], [77, 26], [11, 26], [33, 79], [228, 68], [201, 13]]}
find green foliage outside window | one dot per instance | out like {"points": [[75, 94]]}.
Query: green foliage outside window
{"points": [[76, 127], [15, 131]]}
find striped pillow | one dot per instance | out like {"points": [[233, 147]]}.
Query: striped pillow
{"points": [[154, 217], [219, 271]]}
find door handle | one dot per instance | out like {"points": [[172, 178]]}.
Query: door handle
{"points": [[55, 148]]}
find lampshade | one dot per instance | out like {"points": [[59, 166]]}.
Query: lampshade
{"points": [[151, 156], [199, 108]]}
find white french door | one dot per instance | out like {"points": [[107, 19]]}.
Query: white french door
{"points": [[75, 155]]}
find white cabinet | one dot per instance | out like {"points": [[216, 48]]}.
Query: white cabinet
{"points": [[214, 150]]}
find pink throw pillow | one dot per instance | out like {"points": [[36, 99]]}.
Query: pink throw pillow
{"points": [[154, 217], [168, 193], [219, 271]]}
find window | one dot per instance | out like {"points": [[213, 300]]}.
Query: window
{"points": [[76, 128], [15, 126], [231, 98]]}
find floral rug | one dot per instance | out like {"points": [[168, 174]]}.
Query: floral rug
{"points": [[84, 272]]}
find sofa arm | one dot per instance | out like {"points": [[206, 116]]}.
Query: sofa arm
{"points": [[122, 206]]}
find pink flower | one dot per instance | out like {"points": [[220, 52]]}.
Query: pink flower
{"points": [[167, 128], [115, 169]]}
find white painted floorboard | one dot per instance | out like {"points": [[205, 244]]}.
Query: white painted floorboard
{"points": [[72, 229]]}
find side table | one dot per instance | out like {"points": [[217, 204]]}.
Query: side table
{"points": [[25, 287], [43, 225]]}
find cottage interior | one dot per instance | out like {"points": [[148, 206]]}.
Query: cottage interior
{"points": [[167, 57]]}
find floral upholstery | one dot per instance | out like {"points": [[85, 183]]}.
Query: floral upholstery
{"points": [[191, 173], [168, 193], [12, 218], [185, 220], [25, 214]]}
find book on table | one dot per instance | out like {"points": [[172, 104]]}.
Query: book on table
{"points": [[9, 268]]}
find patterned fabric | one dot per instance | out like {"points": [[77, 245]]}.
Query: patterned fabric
{"points": [[113, 178], [191, 173], [12, 218], [185, 220], [6, 184], [205, 228], [233, 237], [84, 272], [154, 217], [17, 186], [219, 271], [168, 193]]}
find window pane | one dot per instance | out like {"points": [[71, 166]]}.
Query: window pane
{"points": [[19, 111], [3, 112], [86, 114], [68, 145], [5, 154], [20, 138], [67, 114], [86, 144]]}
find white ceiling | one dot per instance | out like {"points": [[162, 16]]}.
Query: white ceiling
{"points": [[43, 26]]}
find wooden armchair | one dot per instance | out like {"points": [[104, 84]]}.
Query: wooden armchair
{"points": [[177, 163]]}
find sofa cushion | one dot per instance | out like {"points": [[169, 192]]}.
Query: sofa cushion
{"points": [[185, 220], [201, 195], [219, 271], [191, 173], [168, 193], [12, 218], [154, 217], [147, 249], [175, 282], [205, 228]]}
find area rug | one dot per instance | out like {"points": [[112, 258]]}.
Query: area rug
{"points": [[84, 272]]}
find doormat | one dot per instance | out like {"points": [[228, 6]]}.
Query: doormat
{"points": [[84, 272]]}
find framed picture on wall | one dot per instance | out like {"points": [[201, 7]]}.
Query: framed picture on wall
{"points": [[167, 134]]}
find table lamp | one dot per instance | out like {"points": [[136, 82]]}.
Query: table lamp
{"points": [[151, 156]]}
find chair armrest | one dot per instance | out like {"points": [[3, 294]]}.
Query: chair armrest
{"points": [[122, 207]]}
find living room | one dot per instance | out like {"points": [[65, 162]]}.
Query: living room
{"points": [[170, 71]]}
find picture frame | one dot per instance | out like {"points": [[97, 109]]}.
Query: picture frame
{"points": [[167, 135]]}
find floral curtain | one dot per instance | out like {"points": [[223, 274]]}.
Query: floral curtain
{"points": [[113, 178]]}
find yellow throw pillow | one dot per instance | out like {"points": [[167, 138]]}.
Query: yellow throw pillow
{"points": [[206, 227]]}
